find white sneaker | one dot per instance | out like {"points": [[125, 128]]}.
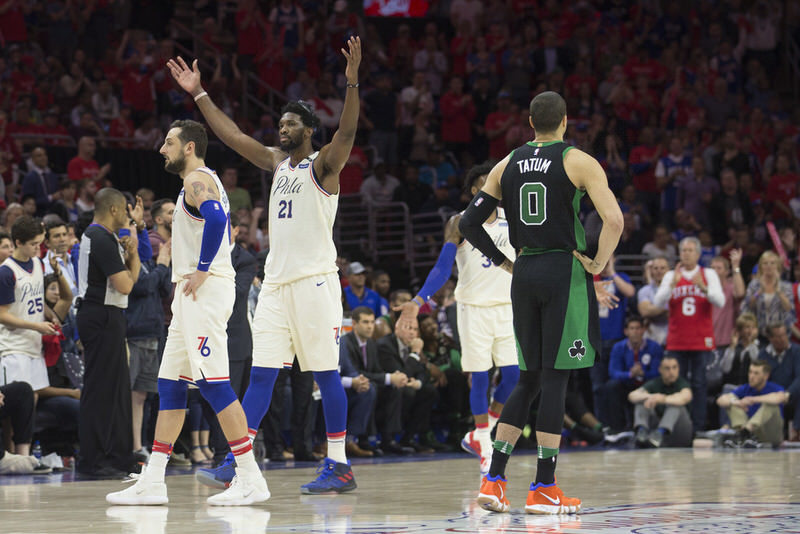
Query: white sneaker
{"points": [[486, 462], [245, 489], [17, 464], [144, 491]]}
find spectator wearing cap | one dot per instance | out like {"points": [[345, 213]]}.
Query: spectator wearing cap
{"points": [[41, 182], [358, 294]]}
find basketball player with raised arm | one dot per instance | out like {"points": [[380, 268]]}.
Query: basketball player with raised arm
{"points": [[197, 343], [299, 308], [555, 308], [485, 327]]}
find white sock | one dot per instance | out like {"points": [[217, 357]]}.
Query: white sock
{"points": [[247, 462], [336, 450], [156, 466], [493, 419], [482, 433]]}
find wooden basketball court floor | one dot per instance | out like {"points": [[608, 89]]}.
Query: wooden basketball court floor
{"points": [[649, 491]]}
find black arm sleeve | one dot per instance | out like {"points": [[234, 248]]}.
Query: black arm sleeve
{"points": [[471, 226]]}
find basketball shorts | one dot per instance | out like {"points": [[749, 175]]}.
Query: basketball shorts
{"points": [[197, 339], [23, 368], [487, 335], [555, 312], [302, 318]]}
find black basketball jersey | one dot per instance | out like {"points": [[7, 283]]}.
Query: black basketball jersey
{"points": [[541, 202]]}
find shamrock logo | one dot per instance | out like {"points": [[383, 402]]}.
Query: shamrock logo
{"points": [[577, 350]]}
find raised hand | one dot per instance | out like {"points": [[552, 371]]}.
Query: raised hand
{"points": [[188, 79], [353, 55], [137, 213]]}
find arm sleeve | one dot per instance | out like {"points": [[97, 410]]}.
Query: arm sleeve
{"points": [[664, 290], [440, 272], [471, 226], [715, 294], [213, 232]]}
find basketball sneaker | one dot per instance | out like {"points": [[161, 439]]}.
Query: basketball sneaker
{"points": [[492, 495], [220, 476], [549, 499], [472, 444], [332, 477], [245, 489], [486, 463], [146, 490]]}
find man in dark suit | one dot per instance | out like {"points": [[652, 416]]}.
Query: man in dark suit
{"points": [[365, 381], [550, 56], [401, 352], [240, 339], [41, 182]]}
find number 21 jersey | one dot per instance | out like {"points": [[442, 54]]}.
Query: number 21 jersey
{"points": [[301, 217]]}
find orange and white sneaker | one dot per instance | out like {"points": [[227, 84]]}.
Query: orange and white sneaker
{"points": [[549, 499], [492, 495]]}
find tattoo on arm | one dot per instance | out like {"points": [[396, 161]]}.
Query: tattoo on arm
{"points": [[197, 188]]}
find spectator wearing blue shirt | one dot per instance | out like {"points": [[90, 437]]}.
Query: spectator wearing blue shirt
{"points": [[357, 293], [633, 361], [612, 326], [755, 409], [784, 360]]}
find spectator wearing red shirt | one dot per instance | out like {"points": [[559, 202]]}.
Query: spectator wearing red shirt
{"points": [[642, 161], [52, 126], [460, 47], [458, 112], [12, 21], [137, 86], [7, 143], [497, 124], [352, 175], [579, 77], [251, 28], [83, 166], [643, 65], [782, 189]]}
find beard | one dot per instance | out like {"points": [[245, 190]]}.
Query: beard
{"points": [[291, 144], [175, 166]]}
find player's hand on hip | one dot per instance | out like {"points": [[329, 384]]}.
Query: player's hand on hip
{"points": [[589, 264], [507, 266], [193, 283], [188, 79]]}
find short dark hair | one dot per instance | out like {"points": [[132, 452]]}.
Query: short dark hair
{"points": [[105, 198], [547, 111], [234, 220], [670, 356], [5, 235], [51, 225], [764, 364], [303, 109], [158, 206], [49, 279], [476, 172], [27, 197], [396, 293], [26, 228], [772, 326], [361, 310], [192, 131], [634, 319]]}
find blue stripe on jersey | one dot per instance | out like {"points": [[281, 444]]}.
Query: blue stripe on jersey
{"points": [[317, 182]]}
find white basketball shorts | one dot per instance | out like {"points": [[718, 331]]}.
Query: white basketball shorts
{"points": [[487, 334]]}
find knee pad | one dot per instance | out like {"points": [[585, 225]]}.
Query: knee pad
{"points": [[172, 394], [219, 395], [509, 378]]}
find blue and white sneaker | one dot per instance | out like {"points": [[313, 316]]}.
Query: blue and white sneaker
{"points": [[333, 477], [220, 476]]}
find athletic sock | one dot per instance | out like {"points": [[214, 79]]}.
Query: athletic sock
{"points": [[598, 427], [252, 433], [242, 451], [336, 447], [494, 417], [500, 455], [482, 431], [546, 466], [157, 464]]}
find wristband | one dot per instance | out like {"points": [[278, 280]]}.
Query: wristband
{"points": [[419, 300], [737, 270], [201, 95], [352, 85]]}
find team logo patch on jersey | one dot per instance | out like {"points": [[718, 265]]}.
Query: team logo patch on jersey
{"points": [[577, 350], [303, 166], [479, 201], [536, 152]]}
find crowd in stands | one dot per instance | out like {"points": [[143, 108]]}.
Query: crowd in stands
{"points": [[686, 109]]}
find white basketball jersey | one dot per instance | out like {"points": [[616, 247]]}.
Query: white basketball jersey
{"points": [[301, 216], [480, 282], [28, 305], [187, 237]]}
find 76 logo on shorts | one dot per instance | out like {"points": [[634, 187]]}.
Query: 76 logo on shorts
{"points": [[205, 350]]}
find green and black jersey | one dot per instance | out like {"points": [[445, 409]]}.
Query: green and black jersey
{"points": [[541, 202]]}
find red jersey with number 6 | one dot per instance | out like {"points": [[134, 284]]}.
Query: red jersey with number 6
{"points": [[690, 324]]}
